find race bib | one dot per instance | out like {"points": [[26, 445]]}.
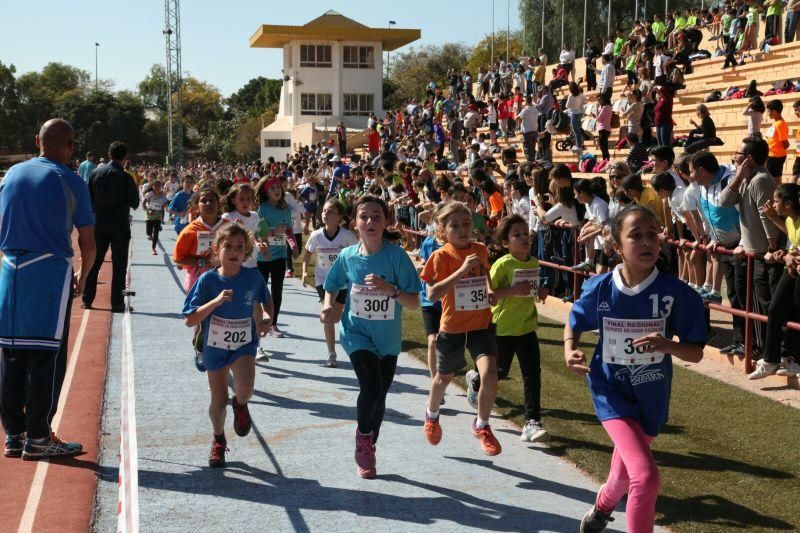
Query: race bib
{"points": [[527, 275], [229, 333], [277, 240], [204, 239], [471, 294], [618, 337], [371, 304], [326, 257]]}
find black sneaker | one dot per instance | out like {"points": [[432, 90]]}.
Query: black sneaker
{"points": [[739, 351], [595, 520], [729, 349], [14, 445], [48, 447]]}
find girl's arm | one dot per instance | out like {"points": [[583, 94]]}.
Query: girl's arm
{"points": [[262, 314], [409, 300], [687, 351], [573, 356], [437, 290], [306, 262], [330, 314], [202, 312], [490, 294]]}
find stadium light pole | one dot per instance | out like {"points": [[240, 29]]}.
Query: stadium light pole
{"points": [[96, 83], [585, 3], [508, 25], [492, 32], [562, 24], [542, 25], [389, 53], [609, 18]]}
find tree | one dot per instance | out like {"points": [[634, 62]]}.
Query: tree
{"points": [[255, 97], [413, 70], [218, 141], [202, 104], [9, 108], [481, 55], [153, 89]]}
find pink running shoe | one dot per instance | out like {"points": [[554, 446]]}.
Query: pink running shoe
{"points": [[365, 455]]}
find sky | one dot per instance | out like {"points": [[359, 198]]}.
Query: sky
{"points": [[214, 35]]}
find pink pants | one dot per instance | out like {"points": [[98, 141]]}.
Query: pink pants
{"points": [[633, 470]]}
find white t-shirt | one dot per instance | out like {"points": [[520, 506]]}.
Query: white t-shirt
{"points": [[658, 64], [676, 204], [297, 213], [597, 212], [249, 223], [561, 211], [691, 202], [328, 249], [533, 218]]}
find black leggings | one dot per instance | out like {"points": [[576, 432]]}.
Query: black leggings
{"points": [[153, 228], [375, 375], [527, 350], [276, 270], [603, 141], [782, 309]]}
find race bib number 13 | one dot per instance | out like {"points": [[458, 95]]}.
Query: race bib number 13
{"points": [[471, 294], [370, 304], [618, 337]]}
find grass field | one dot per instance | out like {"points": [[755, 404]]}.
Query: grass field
{"points": [[728, 458]]}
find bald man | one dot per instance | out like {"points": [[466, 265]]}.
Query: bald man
{"points": [[41, 201]]}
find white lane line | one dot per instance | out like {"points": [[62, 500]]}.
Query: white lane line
{"points": [[37, 485], [128, 503]]}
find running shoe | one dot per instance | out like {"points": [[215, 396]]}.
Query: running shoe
{"points": [[489, 443], [533, 431], [241, 418], [154, 252], [48, 447], [711, 297], [261, 354], [788, 367], [365, 455], [216, 459], [586, 266], [198, 361], [14, 445], [330, 362], [764, 369], [290, 273], [473, 384], [275, 332], [727, 350], [432, 429], [595, 521]]}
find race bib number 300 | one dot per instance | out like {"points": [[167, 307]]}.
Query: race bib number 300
{"points": [[326, 257], [528, 275], [229, 333], [618, 337], [471, 294], [371, 304]]}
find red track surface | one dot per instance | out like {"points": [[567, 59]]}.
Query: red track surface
{"points": [[69, 487]]}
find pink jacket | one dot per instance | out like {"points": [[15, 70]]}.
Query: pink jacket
{"points": [[604, 118]]}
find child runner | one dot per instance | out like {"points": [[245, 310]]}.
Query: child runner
{"points": [[328, 242], [515, 277], [276, 224], [458, 275], [431, 311], [179, 206], [630, 372], [381, 280], [154, 204], [234, 306]]}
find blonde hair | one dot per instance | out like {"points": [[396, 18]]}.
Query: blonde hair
{"points": [[447, 211], [228, 231]]}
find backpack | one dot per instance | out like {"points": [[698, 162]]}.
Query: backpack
{"points": [[587, 164], [715, 96], [600, 166]]}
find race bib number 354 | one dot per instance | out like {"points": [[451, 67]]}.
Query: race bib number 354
{"points": [[471, 294], [371, 304], [618, 337]]}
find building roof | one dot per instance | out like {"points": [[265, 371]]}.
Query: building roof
{"points": [[331, 26]]}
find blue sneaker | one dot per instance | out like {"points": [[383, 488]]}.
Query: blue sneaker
{"points": [[198, 361], [48, 447], [473, 384], [710, 297], [14, 445]]}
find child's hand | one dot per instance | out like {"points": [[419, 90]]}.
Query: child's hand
{"points": [[470, 262], [224, 296], [576, 361], [655, 342], [304, 278], [543, 293], [492, 297], [768, 209], [521, 289], [263, 249], [264, 325], [378, 282], [326, 316]]}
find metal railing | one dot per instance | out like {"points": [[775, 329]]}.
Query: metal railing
{"points": [[747, 313]]}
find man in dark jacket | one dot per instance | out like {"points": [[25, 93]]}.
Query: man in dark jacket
{"points": [[114, 193]]}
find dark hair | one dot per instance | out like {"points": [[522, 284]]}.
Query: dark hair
{"points": [[488, 186], [705, 160], [89, 154], [593, 186], [775, 105], [757, 148], [228, 204], [663, 181], [521, 187], [388, 234], [599, 188], [619, 219], [263, 197], [632, 182], [757, 104], [561, 171], [632, 138], [117, 151], [505, 225], [574, 88], [664, 153], [790, 192]]}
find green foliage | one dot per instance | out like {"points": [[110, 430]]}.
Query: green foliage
{"points": [[256, 97], [9, 108], [202, 104], [218, 142], [481, 55], [412, 71], [153, 89]]}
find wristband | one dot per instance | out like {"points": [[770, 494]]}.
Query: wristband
{"points": [[395, 293]]}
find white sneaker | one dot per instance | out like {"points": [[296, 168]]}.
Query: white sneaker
{"points": [[275, 332], [331, 361], [764, 369], [788, 367], [261, 354], [533, 431], [472, 393]]}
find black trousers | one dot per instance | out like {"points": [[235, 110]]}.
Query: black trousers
{"points": [[153, 228], [775, 166], [375, 375], [30, 385], [765, 281], [527, 349], [735, 272], [529, 144], [785, 306], [603, 142], [273, 272], [118, 238]]}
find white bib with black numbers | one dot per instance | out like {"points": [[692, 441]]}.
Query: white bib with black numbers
{"points": [[204, 239], [277, 240], [371, 304], [471, 294], [618, 337], [326, 257], [527, 275], [229, 333]]}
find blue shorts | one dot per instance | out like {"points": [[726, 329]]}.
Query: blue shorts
{"points": [[216, 358]]}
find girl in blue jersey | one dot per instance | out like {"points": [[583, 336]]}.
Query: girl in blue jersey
{"points": [[275, 226], [235, 307], [637, 310], [380, 280]]}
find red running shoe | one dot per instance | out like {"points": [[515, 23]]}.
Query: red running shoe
{"points": [[241, 418], [216, 458], [365, 455], [489, 442], [432, 430]]}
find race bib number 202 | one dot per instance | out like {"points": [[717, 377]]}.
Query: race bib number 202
{"points": [[229, 333]]}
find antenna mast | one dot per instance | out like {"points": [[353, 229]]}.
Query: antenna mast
{"points": [[172, 33]]}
